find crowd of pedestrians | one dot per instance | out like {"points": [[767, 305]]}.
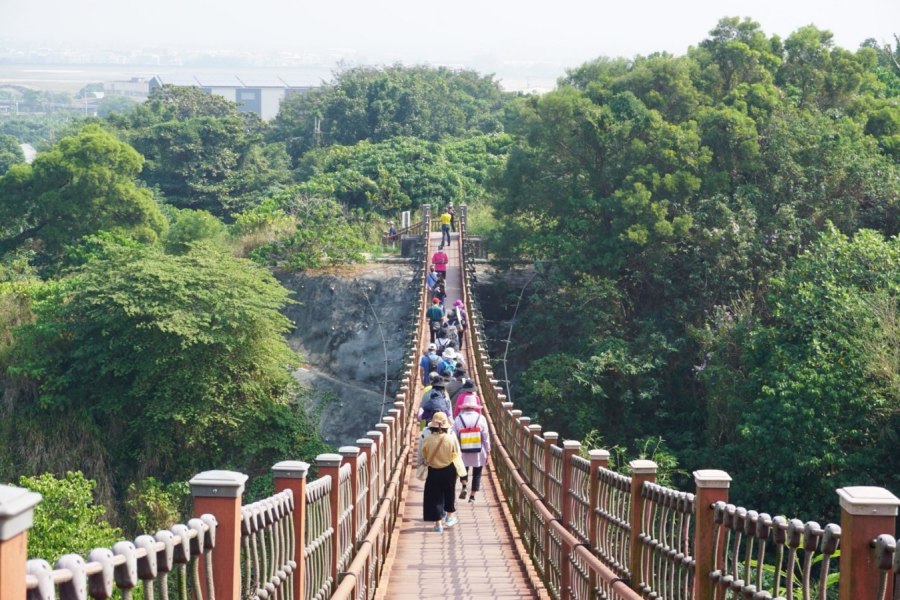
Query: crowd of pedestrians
{"points": [[455, 439]]}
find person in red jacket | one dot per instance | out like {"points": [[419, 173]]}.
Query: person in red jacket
{"points": [[440, 259]]}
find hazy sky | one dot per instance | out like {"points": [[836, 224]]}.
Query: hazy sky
{"points": [[411, 31]]}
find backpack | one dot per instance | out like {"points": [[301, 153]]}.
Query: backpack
{"points": [[442, 344], [469, 437], [446, 367], [435, 360], [434, 402]]}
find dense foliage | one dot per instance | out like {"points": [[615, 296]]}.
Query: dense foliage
{"points": [[376, 104], [660, 193]]}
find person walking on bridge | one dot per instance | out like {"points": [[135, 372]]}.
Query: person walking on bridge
{"points": [[446, 218], [440, 259], [475, 443], [434, 314], [439, 450]]}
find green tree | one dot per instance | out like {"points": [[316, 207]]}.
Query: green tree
{"points": [[173, 361], [10, 153], [201, 153], [192, 226], [84, 184], [367, 103], [812, 406], [67, 520]]}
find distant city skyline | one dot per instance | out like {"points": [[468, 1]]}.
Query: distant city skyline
{"points": [[495, 36]]}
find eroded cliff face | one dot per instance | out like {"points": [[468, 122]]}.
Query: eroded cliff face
{"points": [[352, 326]]}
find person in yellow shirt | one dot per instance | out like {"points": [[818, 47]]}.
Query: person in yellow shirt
{"points": [[445, 227], [438, 450]]}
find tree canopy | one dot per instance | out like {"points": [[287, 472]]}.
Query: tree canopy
{"points": [[84, 184]]}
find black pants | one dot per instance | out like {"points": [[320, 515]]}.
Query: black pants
{"points": [[440, 491], [476, 479]]}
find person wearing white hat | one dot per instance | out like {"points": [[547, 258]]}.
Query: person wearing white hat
{"points": [[474, 437], [429, 362], [448, 362]]}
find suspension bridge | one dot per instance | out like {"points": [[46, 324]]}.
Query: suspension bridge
{"points": [[553, 521]]}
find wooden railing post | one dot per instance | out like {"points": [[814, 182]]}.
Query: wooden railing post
{"points": [[534, 430], [329, 465], [291, 475], [599, 460], [550, 439], [350, 456], [365, 447], [711, 487], [219, 493], [641, 471], [380, 459], [16, 518], [570, 449], [866, 512]]}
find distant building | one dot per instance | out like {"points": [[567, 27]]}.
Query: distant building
{"points": [[137, 88], [252, 94]]}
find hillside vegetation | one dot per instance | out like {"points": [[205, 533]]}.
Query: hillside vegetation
{"points": [[713, 237]]}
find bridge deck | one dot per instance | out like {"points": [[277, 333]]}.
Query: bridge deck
{"points": [[475, 559]]}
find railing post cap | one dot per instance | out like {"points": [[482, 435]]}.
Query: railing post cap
{"points": [[868, 500], [348, 451], [642, 467], [551, 435], [516, 413], [534, 428], [16, 510], [290, 469], [329, 460], [571, 445], [712, 478], [382, 426], [365, 442], [598, 454], [400, 404], [524, 420], [375, 435], [218, 484], [506, 405]]}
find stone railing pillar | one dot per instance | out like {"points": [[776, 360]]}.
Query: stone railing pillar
{"points": [[866, 513], [711, 487], [16, 518], [291, 475], [219, 493], [329, 465], [641, 471]]}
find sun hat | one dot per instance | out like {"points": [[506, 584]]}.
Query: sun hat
{"points": [[458, 302], [470, 401], [432, 346], [450, 353], [435, 300], [439, 421]]}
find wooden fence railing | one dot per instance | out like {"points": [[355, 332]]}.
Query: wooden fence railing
{"points": [[594, 533]]}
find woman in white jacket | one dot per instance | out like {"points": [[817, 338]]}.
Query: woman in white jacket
{"points": [[475, 441]]}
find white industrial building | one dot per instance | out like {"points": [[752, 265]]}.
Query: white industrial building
{"points": [[252, 94]]}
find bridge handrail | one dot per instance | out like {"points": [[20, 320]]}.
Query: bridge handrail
{"points": [[663, 542]]}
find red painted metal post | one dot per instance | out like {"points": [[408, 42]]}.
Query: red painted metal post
{"points": [[291, 475], [387, 446], [550, 439], [641, 471], [329, 465], [365, 447], [599, 460], [16, 517], [380, 459], [866, 512], [570, 450], [711, 487], [219, 493]]}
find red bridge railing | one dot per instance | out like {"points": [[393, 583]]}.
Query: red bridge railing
{"points": [[594, 533]]}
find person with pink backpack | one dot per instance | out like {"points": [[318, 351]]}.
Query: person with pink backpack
{"points": [[471, 428]]}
